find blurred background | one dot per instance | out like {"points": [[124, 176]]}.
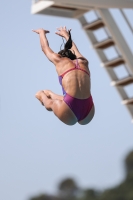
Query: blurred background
{"points": [[40, 157], [70, 190]]}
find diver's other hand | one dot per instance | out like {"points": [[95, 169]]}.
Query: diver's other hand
{"points": [[41, 30], [63, 32]]}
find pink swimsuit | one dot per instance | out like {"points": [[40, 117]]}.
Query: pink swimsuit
{"points": [[80, 107]]}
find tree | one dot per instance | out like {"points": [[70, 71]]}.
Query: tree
{"points": [[125, 190], [129, 163], [68, 189], [90, 194], [44, 197]]}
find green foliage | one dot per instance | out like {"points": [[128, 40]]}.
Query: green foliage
{"points": [[40, 197], [67, 184], [44, 197], [68, 189], [90, 194], [129, 163]]}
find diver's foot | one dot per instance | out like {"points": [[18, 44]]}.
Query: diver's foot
{"points": [[39, 95], [47, 92]]}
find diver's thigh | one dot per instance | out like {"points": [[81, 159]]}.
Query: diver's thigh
{"points": [[63, 112], [52, 95]]}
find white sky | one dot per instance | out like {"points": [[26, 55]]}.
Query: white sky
{"points": [[36, 149]]}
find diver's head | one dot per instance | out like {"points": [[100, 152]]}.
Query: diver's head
{"points": [[66, 52]]}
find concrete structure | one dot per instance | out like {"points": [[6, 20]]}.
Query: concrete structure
{"points": [[77, 9]]}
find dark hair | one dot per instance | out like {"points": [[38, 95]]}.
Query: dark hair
{"points": [[66, 52]]}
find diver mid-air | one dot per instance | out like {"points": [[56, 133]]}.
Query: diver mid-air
{"points": [[76, 104]]}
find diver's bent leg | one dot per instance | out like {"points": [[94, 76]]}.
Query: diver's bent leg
{"points": [[59, 107], [45, 101], [63, 112], [52, 95]]}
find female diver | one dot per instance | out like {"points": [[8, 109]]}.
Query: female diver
{"points": [[76, 104]]}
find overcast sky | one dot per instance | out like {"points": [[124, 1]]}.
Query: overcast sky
{"points": [[36, 149]]}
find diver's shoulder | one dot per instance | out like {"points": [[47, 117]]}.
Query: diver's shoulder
{"points": [[64, 61], [82, 60]]}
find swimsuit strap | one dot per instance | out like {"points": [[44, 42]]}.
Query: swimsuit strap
{"points": [[62, 75], [84, 71], [77, 67]]}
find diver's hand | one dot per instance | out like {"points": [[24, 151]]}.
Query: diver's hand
{"points": [[63, 32], [41, 30]]}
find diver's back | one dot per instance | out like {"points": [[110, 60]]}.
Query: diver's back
{"points": [[75, 78]]}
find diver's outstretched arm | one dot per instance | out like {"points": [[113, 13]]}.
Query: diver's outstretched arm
{"points": [[53, 57]]}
